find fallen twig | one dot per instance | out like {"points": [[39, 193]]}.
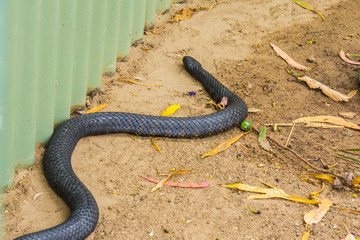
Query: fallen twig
{"points": [[291, 131], [301, 158]]}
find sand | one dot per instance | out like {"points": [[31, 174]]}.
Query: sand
{"points": [[232, 42]]}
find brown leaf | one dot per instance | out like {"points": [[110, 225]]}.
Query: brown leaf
{"points": [[287, 58], [331, 93], [343, 57]]}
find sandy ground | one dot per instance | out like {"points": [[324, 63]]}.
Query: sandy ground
{"points": [[232, 42]]}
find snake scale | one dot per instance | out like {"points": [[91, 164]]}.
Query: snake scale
{"points": [[57, 159]]}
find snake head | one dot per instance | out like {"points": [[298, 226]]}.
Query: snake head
{"points": [[191, 64]]}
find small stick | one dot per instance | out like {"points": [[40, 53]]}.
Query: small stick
{"points": [[301, 158], [292, 129], [280, 124]]}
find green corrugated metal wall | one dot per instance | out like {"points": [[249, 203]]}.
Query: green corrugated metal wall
{"points": [[52, 52]]}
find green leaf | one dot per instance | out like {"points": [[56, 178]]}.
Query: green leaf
{"points": [[349, 157], [351, 149], [304, 5], [263, 142]]}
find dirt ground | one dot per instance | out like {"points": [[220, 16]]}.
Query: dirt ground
{"points": [[232, 42]]}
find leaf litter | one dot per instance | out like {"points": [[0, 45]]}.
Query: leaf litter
{"points": [[168, 111], [181, 15], [327, 119], [223, 146], [270, 192], [97, 108], [164, 182], [331, 93], [287, 58]]}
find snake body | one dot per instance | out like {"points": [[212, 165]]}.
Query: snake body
{"points": [[57, 159]]}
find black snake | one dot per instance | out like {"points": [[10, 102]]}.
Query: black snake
{"points": [[57, 159]]}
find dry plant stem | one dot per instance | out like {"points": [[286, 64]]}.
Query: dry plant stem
{"points": [[301, 158], [292, 129]]}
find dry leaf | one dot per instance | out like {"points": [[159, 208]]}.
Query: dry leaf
{"points": [[349, 115], [97, 108], [182, 15], [163, 181], [272, 192], [170, 110], [306, 235], [315, 215], [327, 119], [322, 125], [155, 145], [325, 177], [223, 146], [343, 57], [254, 110], [334, 95], [36, 195], [287, 58], [349, 236], [181, 185]]}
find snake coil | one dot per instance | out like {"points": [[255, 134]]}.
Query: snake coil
{"points": [[57, 159]]}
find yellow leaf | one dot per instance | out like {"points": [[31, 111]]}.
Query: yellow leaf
{"points": [[325, 177], [223, 146], [183, 14], [272, 192], [306, 235], [97, 108], [356, 180], [304, 5], [303, 200], [349, 236], [315, 195], [155, 145], [161, 183], [327, 119], [315, 215], [170, 110]]}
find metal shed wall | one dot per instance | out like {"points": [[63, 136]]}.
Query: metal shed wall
{"points": [[51, 54]]}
